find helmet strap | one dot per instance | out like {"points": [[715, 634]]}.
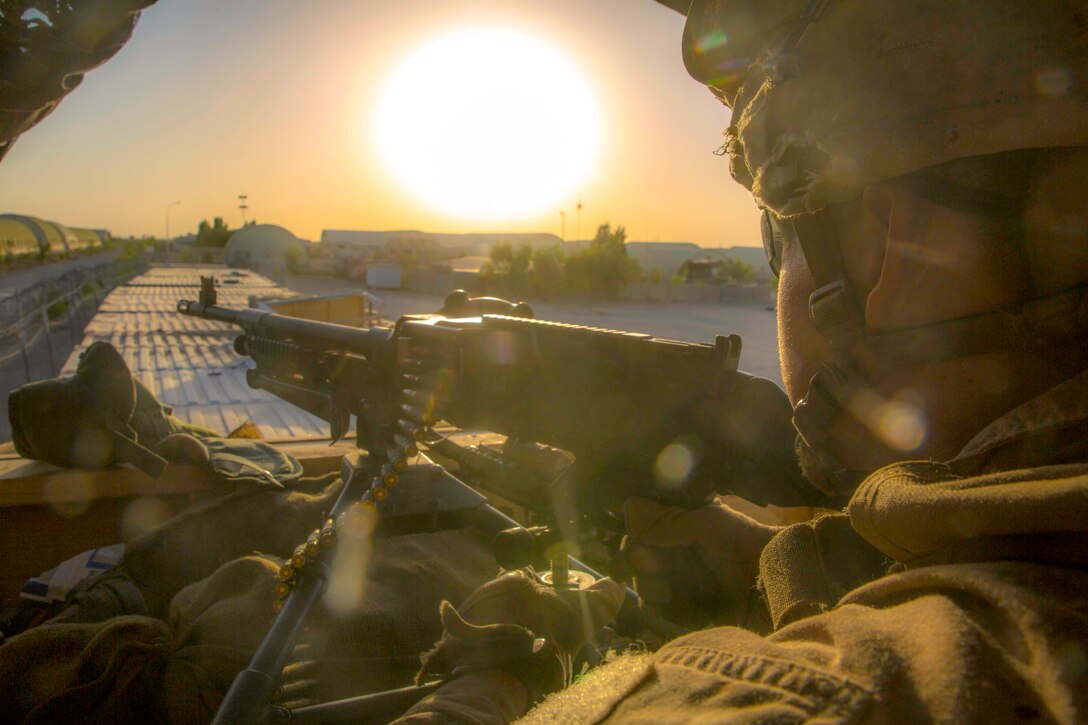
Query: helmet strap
{"points": [[1041, 324]]}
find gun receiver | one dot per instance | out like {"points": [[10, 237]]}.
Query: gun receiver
{"points": [[672, 421]]}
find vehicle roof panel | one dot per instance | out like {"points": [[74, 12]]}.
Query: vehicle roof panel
{"points": [[189, 363]]}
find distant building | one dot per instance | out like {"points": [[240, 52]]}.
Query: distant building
{"points": [[51, 238], [673, 258], [464, 265], [383, 275], [350, 244], [665, 256], [85, 238], [411, 246], [264, 248], [16, 240]]}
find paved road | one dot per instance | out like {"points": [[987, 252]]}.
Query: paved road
{"points": [[29, 277]]}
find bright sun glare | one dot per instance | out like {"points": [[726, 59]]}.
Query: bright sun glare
{"points": [[488, 124]]}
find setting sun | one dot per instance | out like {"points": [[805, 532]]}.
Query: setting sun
{"points": [[488, 124]]}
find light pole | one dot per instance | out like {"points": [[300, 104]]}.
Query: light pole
{"points": [[242, 206], [578, 221], [563, 226], [166, 235]]}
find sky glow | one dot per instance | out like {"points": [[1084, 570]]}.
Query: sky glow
{"points": [[277, 100], [488, 124]]}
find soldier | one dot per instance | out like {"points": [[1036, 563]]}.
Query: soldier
{"points": [[921, 169]]}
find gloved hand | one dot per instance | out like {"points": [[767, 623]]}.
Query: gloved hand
{"points": [[513, 629], [101, 416], [697, 567]]}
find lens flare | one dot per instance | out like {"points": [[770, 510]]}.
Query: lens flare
{"points": [[674, 464], [499, 348], [898, 422], [143, 515], [68, 494], [92, 448], [1054, 82], [354, 546]]}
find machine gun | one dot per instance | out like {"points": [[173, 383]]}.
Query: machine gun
{"points": [[671, 421]]}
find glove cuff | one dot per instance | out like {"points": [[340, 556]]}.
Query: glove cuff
{"points": [[540, 665]]}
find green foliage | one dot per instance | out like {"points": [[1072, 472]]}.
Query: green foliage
{"points": [[519, 263], [410, 252], [502, 256], [132, 249], [736, 270], [604, 268], [215, 234], [548, 271], [522, 271], [295, 260], [57, 310], [655, 275]]}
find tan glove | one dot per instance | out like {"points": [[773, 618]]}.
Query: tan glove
{"points": [[697, 567], [508, 644]]}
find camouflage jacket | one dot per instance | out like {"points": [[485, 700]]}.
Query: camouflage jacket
{"points": [[978, 613]]}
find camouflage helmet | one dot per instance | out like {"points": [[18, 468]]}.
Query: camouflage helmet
{"points": [[829, 96]]}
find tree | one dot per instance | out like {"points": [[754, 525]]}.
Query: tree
{"points": [[736, 270], [519, 264], [548, 271], [295, 260], [502, 256], [605, 267], [215, 234], [511, 267], [411, 252], [518, 275]]}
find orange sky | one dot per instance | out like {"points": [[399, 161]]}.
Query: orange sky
{"points": [[274, 99]]}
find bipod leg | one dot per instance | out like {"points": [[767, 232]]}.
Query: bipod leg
{"points": [[249, 698]]}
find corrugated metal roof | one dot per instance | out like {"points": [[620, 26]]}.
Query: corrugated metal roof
{"points": [[190, 363], [165, 298], [190, 276]]}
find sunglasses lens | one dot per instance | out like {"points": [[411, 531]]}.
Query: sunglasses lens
{"points": [[772, 241]]}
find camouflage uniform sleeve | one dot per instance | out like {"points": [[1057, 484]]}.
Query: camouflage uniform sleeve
{"points": [[993, 642]]}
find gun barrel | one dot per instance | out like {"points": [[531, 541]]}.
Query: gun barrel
{"points": [[321, 335]]}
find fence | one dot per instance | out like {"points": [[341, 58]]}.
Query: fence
{"points": [[42, 324]]}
